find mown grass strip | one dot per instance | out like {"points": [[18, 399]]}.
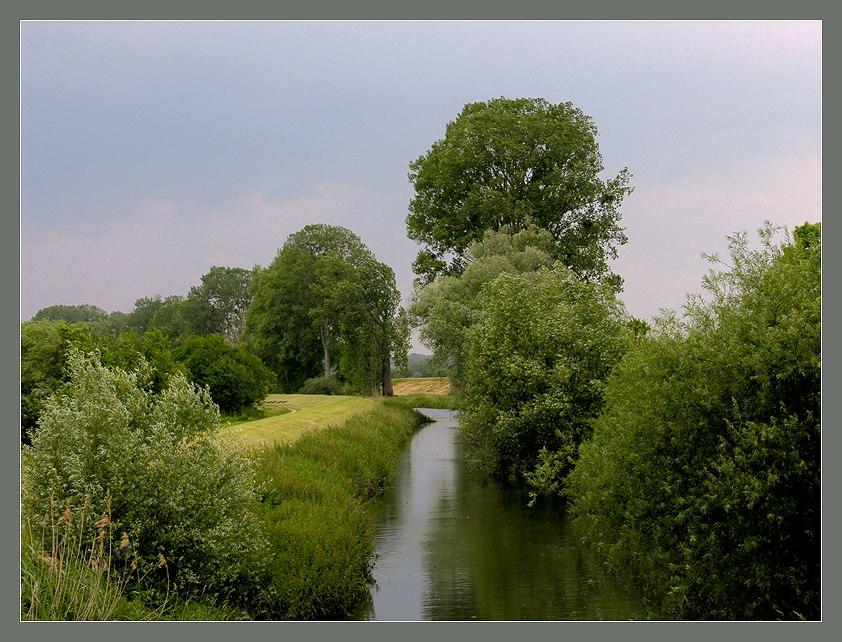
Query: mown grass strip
{"points": [[307, 412]]}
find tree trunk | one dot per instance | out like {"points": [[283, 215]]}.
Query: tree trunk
{"points": [[388, 391], [325, 338]]}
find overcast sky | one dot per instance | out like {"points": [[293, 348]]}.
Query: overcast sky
{"points": [[152, 151]]}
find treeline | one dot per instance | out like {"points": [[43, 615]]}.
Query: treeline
{"points": [[322, 318], [688, 449]]}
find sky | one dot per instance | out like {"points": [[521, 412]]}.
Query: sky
{"points": [[152, 151]]}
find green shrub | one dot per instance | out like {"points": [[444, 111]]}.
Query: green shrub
{"points": [[235, 377], [180, 494], [321, 386], [703, 474]]}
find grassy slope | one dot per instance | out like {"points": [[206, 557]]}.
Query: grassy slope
{"points": [[306, 413]]}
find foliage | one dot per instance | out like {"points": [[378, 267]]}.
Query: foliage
{"points": [[43, 345], [167, 314], [536, 361], [44, 348], [71, 314], [184, 497], [369, 328], [320, 534], [446, 309], [235, 377], [219, 304], [324, 294], [703, 474], [506, 164], [70, 569], [321, 386]]}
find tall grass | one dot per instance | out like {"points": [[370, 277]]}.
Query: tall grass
{"points": [[426, 400], [69, 570], [315, 491]]}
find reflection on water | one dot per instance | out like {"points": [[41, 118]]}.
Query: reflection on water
{"points": [[450, 545]]}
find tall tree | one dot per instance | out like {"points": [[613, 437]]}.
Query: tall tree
{"points": [[508, 163], [218, 305], [301, 303], [370, 330]]}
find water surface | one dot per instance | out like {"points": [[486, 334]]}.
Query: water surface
{"points": [[452, 545]]}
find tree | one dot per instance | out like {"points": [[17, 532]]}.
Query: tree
{"points": [[505, 164], [219, 304], [446, 309], [537, 357], [702, 478], [370, 331], [71, 314], [235, 377], [302, 303]]}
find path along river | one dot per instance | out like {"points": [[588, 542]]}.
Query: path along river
{"points": [[451, 545]]}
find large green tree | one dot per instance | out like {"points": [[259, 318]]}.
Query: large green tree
{"points": [[505, 164], [370, 330], [702, 477], [299, 319]]}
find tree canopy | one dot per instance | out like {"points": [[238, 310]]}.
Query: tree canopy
{"points": [[324, 295], [446, 309], [536, 359], [505, 164], [218, 305]]}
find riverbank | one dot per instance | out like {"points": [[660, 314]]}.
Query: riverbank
{"points": [[320, 536]]}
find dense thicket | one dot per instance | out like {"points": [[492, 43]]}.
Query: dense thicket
{"points": [[508, 164], [703, 474]]}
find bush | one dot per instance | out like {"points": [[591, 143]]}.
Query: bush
{"points": [[703, 474], [181, 495], [235, 377], [321, 386], [536, 361]]}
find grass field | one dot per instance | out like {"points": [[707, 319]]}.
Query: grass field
{"points": [[306, 412], [421, 385]]}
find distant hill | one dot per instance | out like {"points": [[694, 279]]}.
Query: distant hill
{"points": [[419, 366]]}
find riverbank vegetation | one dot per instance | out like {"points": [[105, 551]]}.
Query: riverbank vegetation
{"points": [[163, 510], [702, 476], [688, 448]]}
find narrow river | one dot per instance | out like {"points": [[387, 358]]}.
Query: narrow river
{"points": [[450, 545]]}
